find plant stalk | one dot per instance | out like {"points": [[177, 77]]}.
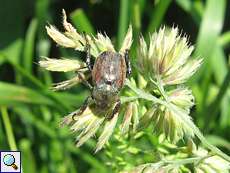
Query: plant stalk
{"points": [[9, 130], [187, 121]]}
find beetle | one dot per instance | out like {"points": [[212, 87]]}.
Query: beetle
{"points": [[108, 77]]}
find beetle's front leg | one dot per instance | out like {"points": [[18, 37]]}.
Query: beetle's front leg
{"points": [[88, 55], [116, 109], [82, 108], [128, 64]]}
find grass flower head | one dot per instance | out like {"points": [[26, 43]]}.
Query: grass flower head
{"points": [[167, 57]]}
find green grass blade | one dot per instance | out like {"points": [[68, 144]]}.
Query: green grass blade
{"points": [[9, 129], [81, 21], [186, 5], [42, 14], [219, 64], [193, 8], [123, 21], [136, 18], [158, 15], [214, 106], [28, 117], [12, 94], [27, 155], [218, 141], [211, 26], [28, 53], [27, 75], [224, 39], [213, 16], [12, 51], [99, 166]]}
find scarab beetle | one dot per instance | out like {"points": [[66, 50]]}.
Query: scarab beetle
{"points": [[108, 76]]}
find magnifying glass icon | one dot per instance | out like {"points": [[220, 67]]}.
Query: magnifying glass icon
{"points": [[9, 160]]}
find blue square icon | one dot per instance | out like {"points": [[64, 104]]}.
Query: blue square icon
{"points": [[10, 162]]}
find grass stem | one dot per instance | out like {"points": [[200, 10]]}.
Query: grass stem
{"points": [[9, 130]]}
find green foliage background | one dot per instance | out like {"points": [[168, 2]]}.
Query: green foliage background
{"points": [[30, 112]]}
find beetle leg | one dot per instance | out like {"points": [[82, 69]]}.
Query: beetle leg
{"points": [[88, 55], [128, 64], [115, 110], [82, 108], [84, 80]]}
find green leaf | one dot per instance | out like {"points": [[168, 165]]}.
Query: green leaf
{"points": [[28, 53], [8, 128], [224, 39], [211, 26], [123, 21], [12, 51], [28, 117], [218, 141], [81, 21], [42, 15], [219, 68], [185, 4], [213, 107], [13, 95], [193, 8], [74, 100], [26, 149], [90, 159], [158, 15], [210, 29]]}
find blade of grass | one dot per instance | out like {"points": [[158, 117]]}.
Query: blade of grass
{"points": [[81, 21], [2, 135], [193, 8], [218, 141], [88, 158], [136, 17], [136, 24], [28, 117], [219, 64], [224, 39], [28, 52], [210, 28], [186, 5], [158, 15], [12, 94], [123, 21], [214, 106], [12, 51], [73, 100], [28, 75], [213, 16], [42, 16], [9, 130], [25, 148], [219, 68]]}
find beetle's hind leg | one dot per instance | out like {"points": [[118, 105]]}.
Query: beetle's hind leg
{"points": [[82, 108], [116, 109], [128, 63], [88, 55]]}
